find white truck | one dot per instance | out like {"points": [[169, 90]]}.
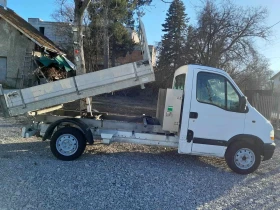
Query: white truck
{"points": [[204, 113]]}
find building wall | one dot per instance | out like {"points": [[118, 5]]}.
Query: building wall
{"points": [[276, 84], [13, 45], [57, 32], [3, 3], [129, 58], [133, 34], [137, 56]]}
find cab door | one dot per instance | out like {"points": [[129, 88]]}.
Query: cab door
{"points": [[184, 81], [214, 115]]}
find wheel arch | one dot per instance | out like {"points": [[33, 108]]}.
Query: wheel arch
{"points": [[251, 139], [77, 122]]}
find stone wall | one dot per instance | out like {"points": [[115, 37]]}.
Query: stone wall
{"points": [[13, 46]]}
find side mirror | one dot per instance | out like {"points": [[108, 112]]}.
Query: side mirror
{"points": [[242, 104]]}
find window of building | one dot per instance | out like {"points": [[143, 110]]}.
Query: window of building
{"points": [[3, 68], [42, 30]]}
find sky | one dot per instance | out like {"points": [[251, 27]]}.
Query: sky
{"points": [[155, 16]]}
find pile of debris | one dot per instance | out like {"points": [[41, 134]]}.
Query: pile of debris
{"points": [[52, 69], [53, 73]]}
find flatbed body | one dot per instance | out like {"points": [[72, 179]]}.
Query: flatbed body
{"points": [[110, 128]]}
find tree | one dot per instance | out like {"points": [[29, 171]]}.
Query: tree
{"points": [[121, 43], [64, 15], [224, 37], [255, 76], [72, 12], [113, 16], [93, 44], [109, 16], [80, 8], [171, 54], [226, 33]]}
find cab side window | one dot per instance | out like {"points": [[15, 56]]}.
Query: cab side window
{"points": [[232, 98], [180, 82], [216, 90], [210, 89]]}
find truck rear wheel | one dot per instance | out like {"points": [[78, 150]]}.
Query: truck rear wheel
{"points": [[68, 143], [242, 157]]}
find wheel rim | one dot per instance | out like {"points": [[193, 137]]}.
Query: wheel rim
{"points": [[244, 158], [67, 144]]}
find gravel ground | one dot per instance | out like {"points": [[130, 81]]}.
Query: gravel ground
{"points": [[125, 176]]}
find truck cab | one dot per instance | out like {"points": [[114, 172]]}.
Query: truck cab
{"points": [[217, 120]]}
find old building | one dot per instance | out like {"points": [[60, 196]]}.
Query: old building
{"points": [[59, 33], [276, 82], [19, 43]]}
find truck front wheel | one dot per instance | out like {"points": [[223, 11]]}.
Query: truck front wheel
{"points": [[68, 143], [242, 157]]}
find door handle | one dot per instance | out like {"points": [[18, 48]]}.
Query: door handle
{"points": [[189, 136], [193, 115]]}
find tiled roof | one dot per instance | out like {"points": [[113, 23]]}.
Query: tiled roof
{"points": [[28, 30]]}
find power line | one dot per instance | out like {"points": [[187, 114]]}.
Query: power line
{"points": [[273, 25], [273, 57]]}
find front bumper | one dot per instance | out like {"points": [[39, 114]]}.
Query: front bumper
{"points": [[268, 150]]}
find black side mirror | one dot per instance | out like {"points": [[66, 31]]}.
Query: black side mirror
{"points": [[242, 104]]}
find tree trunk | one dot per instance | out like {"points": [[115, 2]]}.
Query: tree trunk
{"points": [[106, 36], [113, 58], [80, 8]]}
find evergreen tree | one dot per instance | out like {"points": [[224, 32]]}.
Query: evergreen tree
{"points": [[120, 42], [112, 17], [171, 52]]}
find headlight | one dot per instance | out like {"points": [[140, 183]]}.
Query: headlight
{"points": [[272, 135]]}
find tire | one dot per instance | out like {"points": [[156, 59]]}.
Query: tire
{"points": [[68, 143], [242, 157]]}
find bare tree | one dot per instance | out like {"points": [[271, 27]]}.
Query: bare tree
{"points": [[80, 8], [71, 12], [224, 37], [255, 75], [106, 34], [226, 33]]}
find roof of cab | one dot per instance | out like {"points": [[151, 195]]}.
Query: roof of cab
{"points": [[185, 68]]}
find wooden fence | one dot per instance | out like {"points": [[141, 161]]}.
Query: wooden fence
{"points": [[268, 106]]}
